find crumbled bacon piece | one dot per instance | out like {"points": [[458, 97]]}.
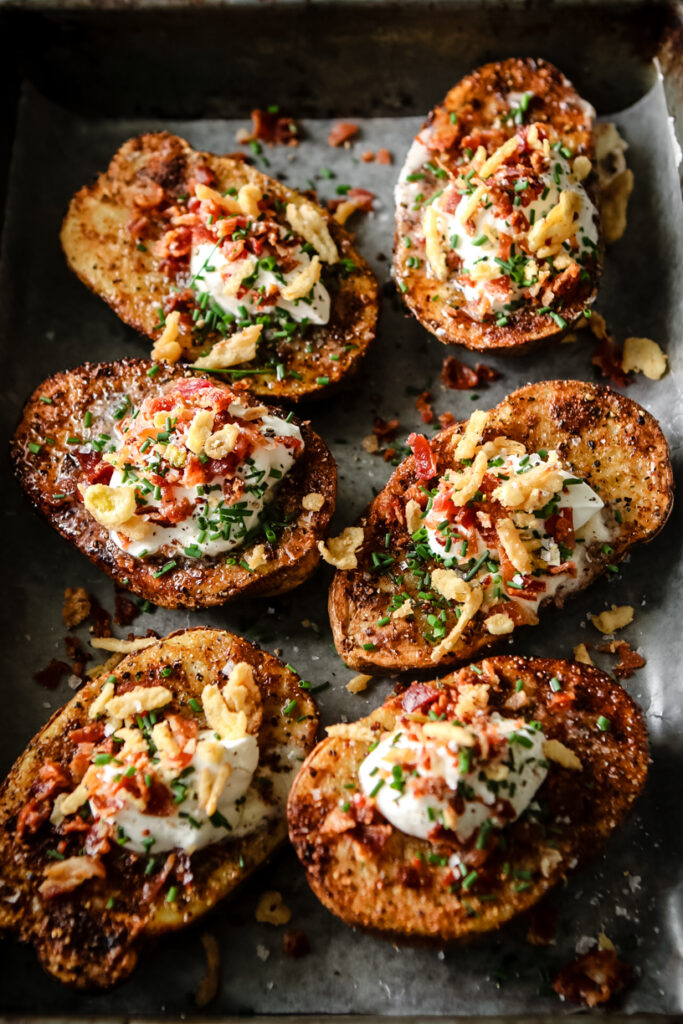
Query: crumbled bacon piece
{"points": [[78, 655], [418, 696], [423, 406], [383, 156], [460, 377], [593, 979], [52, 779], [295, 943], [368, 156], [76, 606], [446, 419], [412, 875], [51, 676], [271, 127], [149, 196], [374, 837], [629, 661], [341, 132], [125, 610], [363, 198], [385, 430], [607, 355], [424, 456], [101, 618], [138, 226]]}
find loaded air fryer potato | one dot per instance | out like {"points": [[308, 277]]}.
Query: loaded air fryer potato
{"points": [[495, 518], [461, 801], [223, 266], [497, 227], [186, 490], [147, 799]]}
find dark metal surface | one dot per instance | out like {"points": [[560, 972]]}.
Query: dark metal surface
{"points": [[90, 77]]}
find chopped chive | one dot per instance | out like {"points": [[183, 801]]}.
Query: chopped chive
{"points": [[164, 569], [195, 705], [604, 724], [172, 894], [35, 448]]}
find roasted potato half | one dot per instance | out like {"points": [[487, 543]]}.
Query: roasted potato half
{"points": [[147, 799], [498, 239], [461, 801], [495, 518], [116, 456], [192, 248]]}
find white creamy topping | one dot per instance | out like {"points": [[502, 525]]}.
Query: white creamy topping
{"points": [[479, 250], [579, 497], [210, 269], [188, 827], [395, 773], [216, 523]]}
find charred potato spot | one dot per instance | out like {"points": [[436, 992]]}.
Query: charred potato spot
{"points": [[48, 474]]}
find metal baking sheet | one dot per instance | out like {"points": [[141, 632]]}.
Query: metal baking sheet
{"points": [[48, 321]]}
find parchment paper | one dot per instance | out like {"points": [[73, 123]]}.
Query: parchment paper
{"points": [[632, 892]]}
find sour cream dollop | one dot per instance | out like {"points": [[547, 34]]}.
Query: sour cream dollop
{"points": [[240, 810], [202, 467], [482, 240], [487, 772], [263, 289]]}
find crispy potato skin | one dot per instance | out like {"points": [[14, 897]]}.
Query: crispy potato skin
{"points": [[380, 885], [607, 438], [101, 249], [477, 100], [193, 584], [78, 938]]}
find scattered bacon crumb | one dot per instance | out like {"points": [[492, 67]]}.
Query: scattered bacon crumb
{"points": [[271, 127], [295, 943], [341, 132], [593, 979], [355, 200], [388, 454], [76, 606], [446, 419], [542, 925], [101, 618], [51, 676], [125, 610], [78, 655], [608, 355], [385, 430], [362, 197], [629, 661], [423, 406], [460, 377], [382, 156]]}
